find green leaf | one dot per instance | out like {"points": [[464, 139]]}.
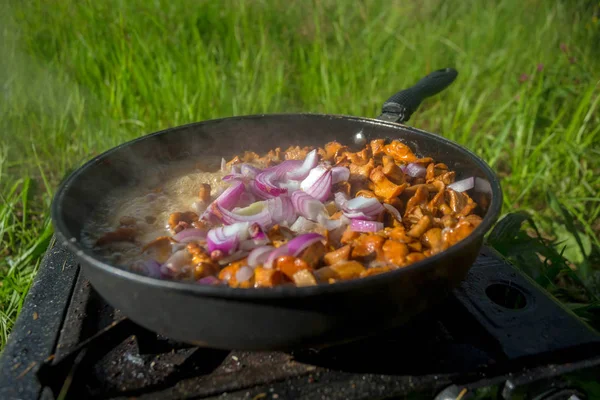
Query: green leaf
{"points": [[576, 250]]}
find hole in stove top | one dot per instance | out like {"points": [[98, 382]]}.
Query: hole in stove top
{"points": [[506, 296]]}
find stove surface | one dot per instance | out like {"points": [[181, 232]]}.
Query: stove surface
{"points": [[498, 328]]}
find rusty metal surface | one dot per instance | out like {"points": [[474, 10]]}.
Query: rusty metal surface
{"points": [[107, 356], [34, 336]]}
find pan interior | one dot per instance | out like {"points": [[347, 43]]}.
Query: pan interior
{"points": [[149, 157]]}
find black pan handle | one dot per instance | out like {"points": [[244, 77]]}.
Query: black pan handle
{"points": [[400, 106]]}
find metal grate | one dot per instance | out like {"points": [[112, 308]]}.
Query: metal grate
{"points": [[497, 328]]}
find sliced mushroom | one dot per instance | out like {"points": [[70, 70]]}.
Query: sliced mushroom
{"points": [[339, 255], [264, 277], [377, 146], [367, 246], [304, 277], [383, 186], [392, 171], [118, 235], [433, 240], [420, 227], [340, 271], [204, 193], [375, 271], [400, 152], [421, 196], [395, 252], [313, 254], [456, 200], [363, 170], [187, 217]]}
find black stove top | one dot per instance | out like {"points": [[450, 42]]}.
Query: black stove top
{"points": [[498, 329]]}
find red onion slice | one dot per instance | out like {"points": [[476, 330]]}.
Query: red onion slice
{"points": [[482, 185], [256, 192], [415, 170], [463, 185], [257, 233], [249, 171], [394, 211], [238, 255], [294, 247], [281, 210], [259, 255], [307, 206], [176, 262], [229, 198], [332, 224], [268, 181], [227, 238], [245, 200], [362, 207], [361, 225], [318, 183], [244, 273], [312, 177], [255, 213], [209, 280], [309, 163], [149, 268], [298, 244], [233, 177], [339, 174], [303, 225], [257, 238], [340, 199], [278, 252], [226, 200], [190, 235]]}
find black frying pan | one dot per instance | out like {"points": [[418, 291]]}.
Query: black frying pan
{"points": [[280, 317]]}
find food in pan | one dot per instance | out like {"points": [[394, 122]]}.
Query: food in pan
{"points": [[301, 216]]}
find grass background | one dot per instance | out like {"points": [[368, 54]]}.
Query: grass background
{"points": [[79, 77]]}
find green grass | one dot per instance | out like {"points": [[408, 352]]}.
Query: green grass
{"points": [[78, 77]]}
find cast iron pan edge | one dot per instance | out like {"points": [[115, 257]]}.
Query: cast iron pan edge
{"points": [[276, 292]]}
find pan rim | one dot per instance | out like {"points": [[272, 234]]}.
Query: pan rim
{"points": [[86, 258]]}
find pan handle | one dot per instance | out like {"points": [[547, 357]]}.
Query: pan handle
{"points": [[400, 106]]}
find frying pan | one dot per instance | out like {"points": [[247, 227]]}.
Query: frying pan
{"points": [[280, 317]]}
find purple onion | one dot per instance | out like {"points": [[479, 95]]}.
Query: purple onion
{"points": [[298, 244], [415, 170], [463, 185], [362, 207], [278, 252], [339, 174], [318, 183], [176, 262], [259, 255], [261, 217], [361, 225], [394, 211], [249, 171], [268, 180], [309, 163], [190, 235], [307, 206], [244, 273], [227, 238], [149, 268], [208, 280], [332, 224], [281, 210], [303, 225]]}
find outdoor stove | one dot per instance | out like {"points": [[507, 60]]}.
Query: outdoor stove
{"points": [[498, 329]]}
